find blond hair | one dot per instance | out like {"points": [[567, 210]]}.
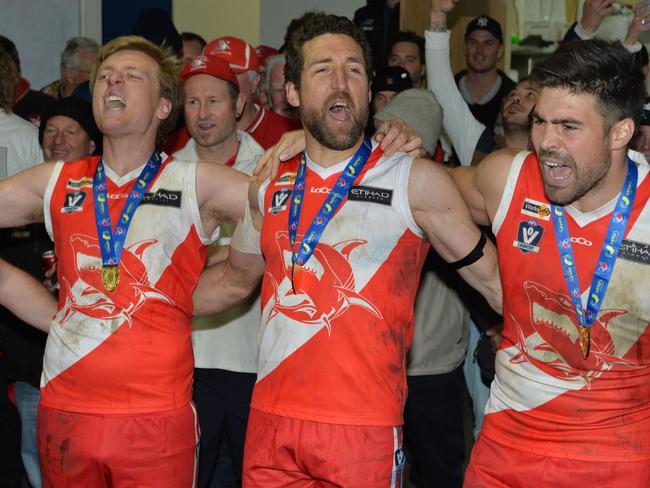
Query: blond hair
{"points": [[169, 81]]}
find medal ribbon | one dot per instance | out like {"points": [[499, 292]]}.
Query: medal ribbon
{"points": [[111, 243], [608, 254], [328, 209]]}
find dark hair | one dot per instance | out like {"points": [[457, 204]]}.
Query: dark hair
{"points": [[10, 48], [312, 25], [641, 57], [191, 36], [408, 36], [603, 69], [8, 81]]}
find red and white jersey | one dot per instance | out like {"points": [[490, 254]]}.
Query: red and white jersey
{"points": [[335, 350], [546, 398], [126, 351]]}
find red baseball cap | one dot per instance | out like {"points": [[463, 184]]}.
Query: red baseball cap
{"points": [[264, 52], [240, 55], [207, 64]]}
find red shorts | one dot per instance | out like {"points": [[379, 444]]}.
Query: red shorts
{"points": [[494, 465], [144, 450], [282, 451]]}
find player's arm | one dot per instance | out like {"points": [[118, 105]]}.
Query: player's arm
{"points": [[393, 135], [482, 186], [221, 194], [21, 196], [439, 210], [25, 297], [231, 281]]}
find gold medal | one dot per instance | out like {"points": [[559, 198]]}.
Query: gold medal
{"points": [[296, 277], [584, 341], [110, 277]]}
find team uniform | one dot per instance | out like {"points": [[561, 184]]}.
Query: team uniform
{"points": [[553, 416], [331, 386], [117, 373]]}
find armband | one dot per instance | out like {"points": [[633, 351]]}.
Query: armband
{"points": [[473, 256], [246, 238]]}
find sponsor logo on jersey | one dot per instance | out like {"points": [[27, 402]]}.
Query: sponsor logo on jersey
{"points": [[536, 209], [528, 236], [383, 196], [79, 184], [163, 198], [638, 252], [279, 200], [582, 241], [286, 179], [322, 189], [73, 202]]}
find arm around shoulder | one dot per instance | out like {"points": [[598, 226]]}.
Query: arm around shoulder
{"points": [[482, 186], [440, 211]]}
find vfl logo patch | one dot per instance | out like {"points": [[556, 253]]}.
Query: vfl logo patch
{"points": [[163, 198], [79, 184], [286, 179], [279, 200], [73, 202], [638, 252], [400, 458], [528, 236], [371, 194], [536, 209]]}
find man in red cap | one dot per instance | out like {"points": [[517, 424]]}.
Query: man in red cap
{"points": [[225, 344], [263, 53], [266, 127]]}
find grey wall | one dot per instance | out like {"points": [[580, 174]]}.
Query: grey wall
{"points": [[39, 29]]}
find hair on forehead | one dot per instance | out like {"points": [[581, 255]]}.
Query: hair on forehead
{"points": [[167, 75], [315, 24], [604, 70]]}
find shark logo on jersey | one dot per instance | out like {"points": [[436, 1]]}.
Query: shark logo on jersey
{"points": [[551, 338], [327, 269], [87, 295]]}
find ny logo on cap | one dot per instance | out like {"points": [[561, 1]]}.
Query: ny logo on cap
{"points": [[482, 21]]}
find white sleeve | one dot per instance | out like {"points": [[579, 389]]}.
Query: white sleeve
{"points": [[459, 123]]}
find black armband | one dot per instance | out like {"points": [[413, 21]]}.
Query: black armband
{"points": [[473, 256]]}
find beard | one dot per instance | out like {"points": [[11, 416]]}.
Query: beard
{"points": [[337, 139], [585, 180]]}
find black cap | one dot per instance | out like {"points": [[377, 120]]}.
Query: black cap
{"points": [[487, 24], [77, 109], [392, 78]]}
